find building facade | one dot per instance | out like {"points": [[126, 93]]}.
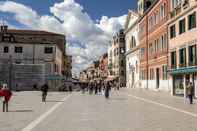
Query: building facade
{"points": [[132, 50], [116, 60], [153, 32], [30, 48], [182, 32], [103, 66], [158, 45]]}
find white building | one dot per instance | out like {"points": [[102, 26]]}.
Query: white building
{"points": [[132, 50], [30, 51], [116, 59]]}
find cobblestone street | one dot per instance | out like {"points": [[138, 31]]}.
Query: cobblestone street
{"points": [[127, 110]]}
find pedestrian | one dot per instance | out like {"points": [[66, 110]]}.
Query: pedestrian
{"points": [[189, 91], [100, 87], [70, 88], [44, 90], [96, 88], [107, 90], [91, 88], [35, 87], [83, 87], [6, 93]]}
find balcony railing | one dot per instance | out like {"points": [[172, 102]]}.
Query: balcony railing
{"points": [[173, 66], [182, 65]]}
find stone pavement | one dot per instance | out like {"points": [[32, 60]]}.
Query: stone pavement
{"points": [[126, 110], [24, 108]]}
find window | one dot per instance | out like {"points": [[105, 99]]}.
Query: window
{"points": [[165, 41], [6, 49], [173, 59], [192, 55], [176, 3], [19, 49], [182, 57], [48, 50], [156, 45], [152, 74], [136, 65], [172, 31], [114, 52], [162, 42], [181, 26], [122, 40], [133, 42], [142, 52], [142, 74], [192, 21], [150, 48], [122, 73], [122, 63], [122, 50], [164, 69], [162, 11]]}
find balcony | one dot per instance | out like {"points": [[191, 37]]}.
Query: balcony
{"points": [[182, 65], [173, 66]]}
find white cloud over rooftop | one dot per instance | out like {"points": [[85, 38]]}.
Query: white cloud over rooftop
{"points": [[69, 18]]}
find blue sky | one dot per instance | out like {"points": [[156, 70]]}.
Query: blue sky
{"points": [[88, 25], [95, 8]]}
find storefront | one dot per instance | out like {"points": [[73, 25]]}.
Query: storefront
{"points": [[181, 77]]}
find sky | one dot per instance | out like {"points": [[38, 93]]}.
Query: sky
{"points": [[88, 24]]}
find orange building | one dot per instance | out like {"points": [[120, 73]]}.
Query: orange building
{"points": [[154, 46]]}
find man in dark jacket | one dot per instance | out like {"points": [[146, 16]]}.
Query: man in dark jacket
{"points": [[44, 90], [107, 90]]}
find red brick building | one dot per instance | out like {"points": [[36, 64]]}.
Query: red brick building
{"points": [[154, 46]]}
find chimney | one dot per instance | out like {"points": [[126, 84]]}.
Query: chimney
{"points": [[4, 28]]}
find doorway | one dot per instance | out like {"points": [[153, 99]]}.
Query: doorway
{"points": [[157, 78]]}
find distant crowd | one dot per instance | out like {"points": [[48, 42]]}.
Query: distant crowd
{"points": [[101, 87]]}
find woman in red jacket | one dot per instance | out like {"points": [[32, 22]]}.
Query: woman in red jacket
{"points": [[6, 93]]}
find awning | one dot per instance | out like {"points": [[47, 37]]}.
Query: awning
{"points": [[183, 71]]}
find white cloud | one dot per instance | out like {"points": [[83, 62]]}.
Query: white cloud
{"points": [[68, 17]]}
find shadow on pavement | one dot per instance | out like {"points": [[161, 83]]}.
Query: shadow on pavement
{"points": [[21, 111], [54, 101]]}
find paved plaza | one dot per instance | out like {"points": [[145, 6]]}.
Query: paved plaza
{"points": [[126, 110]]}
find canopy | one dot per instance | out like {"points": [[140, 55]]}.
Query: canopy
{"points": [[183, 70]]}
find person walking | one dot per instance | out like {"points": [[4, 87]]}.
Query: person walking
{"points": [[70, 89], [91, 88], [190, 92], [100, 87], [44, 90], [6, 93], [96, 88], [107, 90]]}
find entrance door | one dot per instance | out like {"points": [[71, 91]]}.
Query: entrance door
{"points": [[157, 78]]}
